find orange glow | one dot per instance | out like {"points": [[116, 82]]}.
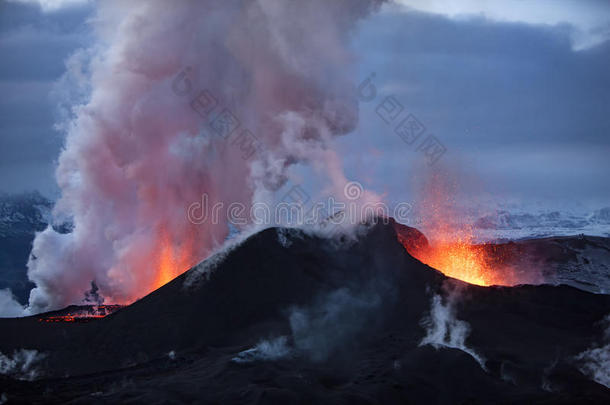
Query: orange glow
{"points": [[172, 260], [170, 253], [70, 318], [451, 247], [82, 314], [467, 262]]}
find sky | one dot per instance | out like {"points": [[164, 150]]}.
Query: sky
{"points": [[516, 91], [34, 46], [523, 112]]}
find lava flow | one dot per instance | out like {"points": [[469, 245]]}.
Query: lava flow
{"points": [[80, 313]]}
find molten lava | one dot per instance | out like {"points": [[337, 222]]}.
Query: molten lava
{"points": [[83, 313], [172, 260], [70, 318], [468, 262], [451, 248]]}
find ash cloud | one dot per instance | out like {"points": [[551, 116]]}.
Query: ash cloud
{"points": [[93, 296], [136, 154]]}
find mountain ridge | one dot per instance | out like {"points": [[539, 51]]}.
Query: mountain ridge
{"points": [[352, 316]]}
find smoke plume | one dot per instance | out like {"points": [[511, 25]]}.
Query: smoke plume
{"points": [[143, 146]]}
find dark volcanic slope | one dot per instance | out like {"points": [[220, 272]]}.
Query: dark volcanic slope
{"points": [[351, 315]]}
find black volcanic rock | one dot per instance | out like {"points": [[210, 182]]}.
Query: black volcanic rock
{"points": [[351, 315], [411, 238]]}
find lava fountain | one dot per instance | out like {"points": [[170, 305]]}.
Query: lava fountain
{"points": [[452, 247], [172, 259], [472, 263]]}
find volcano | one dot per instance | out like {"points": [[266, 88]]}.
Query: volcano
{"points": [[289, 317]]}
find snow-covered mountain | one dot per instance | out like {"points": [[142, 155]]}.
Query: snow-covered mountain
{"points": [[21, 216], [23, 213], [504, 224]]}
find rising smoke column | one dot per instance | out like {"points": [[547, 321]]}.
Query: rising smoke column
{"points": [[137, 154]]}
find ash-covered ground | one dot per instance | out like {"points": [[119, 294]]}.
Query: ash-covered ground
{"points": [[286, 317]]}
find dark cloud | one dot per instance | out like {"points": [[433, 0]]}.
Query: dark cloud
{"points": [[513, 100], [33, 49]]}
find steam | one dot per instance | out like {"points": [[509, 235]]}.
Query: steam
{"points": [[265, 350], [319, 329], [332, 320], [443, 329], [138, 153], [595, 362], [9, 306], [21, 364]]}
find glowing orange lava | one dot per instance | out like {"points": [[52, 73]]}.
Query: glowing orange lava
{"points": [[81, 314], [70, 318], [468, 262], [172, 260], [452, 249]]}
